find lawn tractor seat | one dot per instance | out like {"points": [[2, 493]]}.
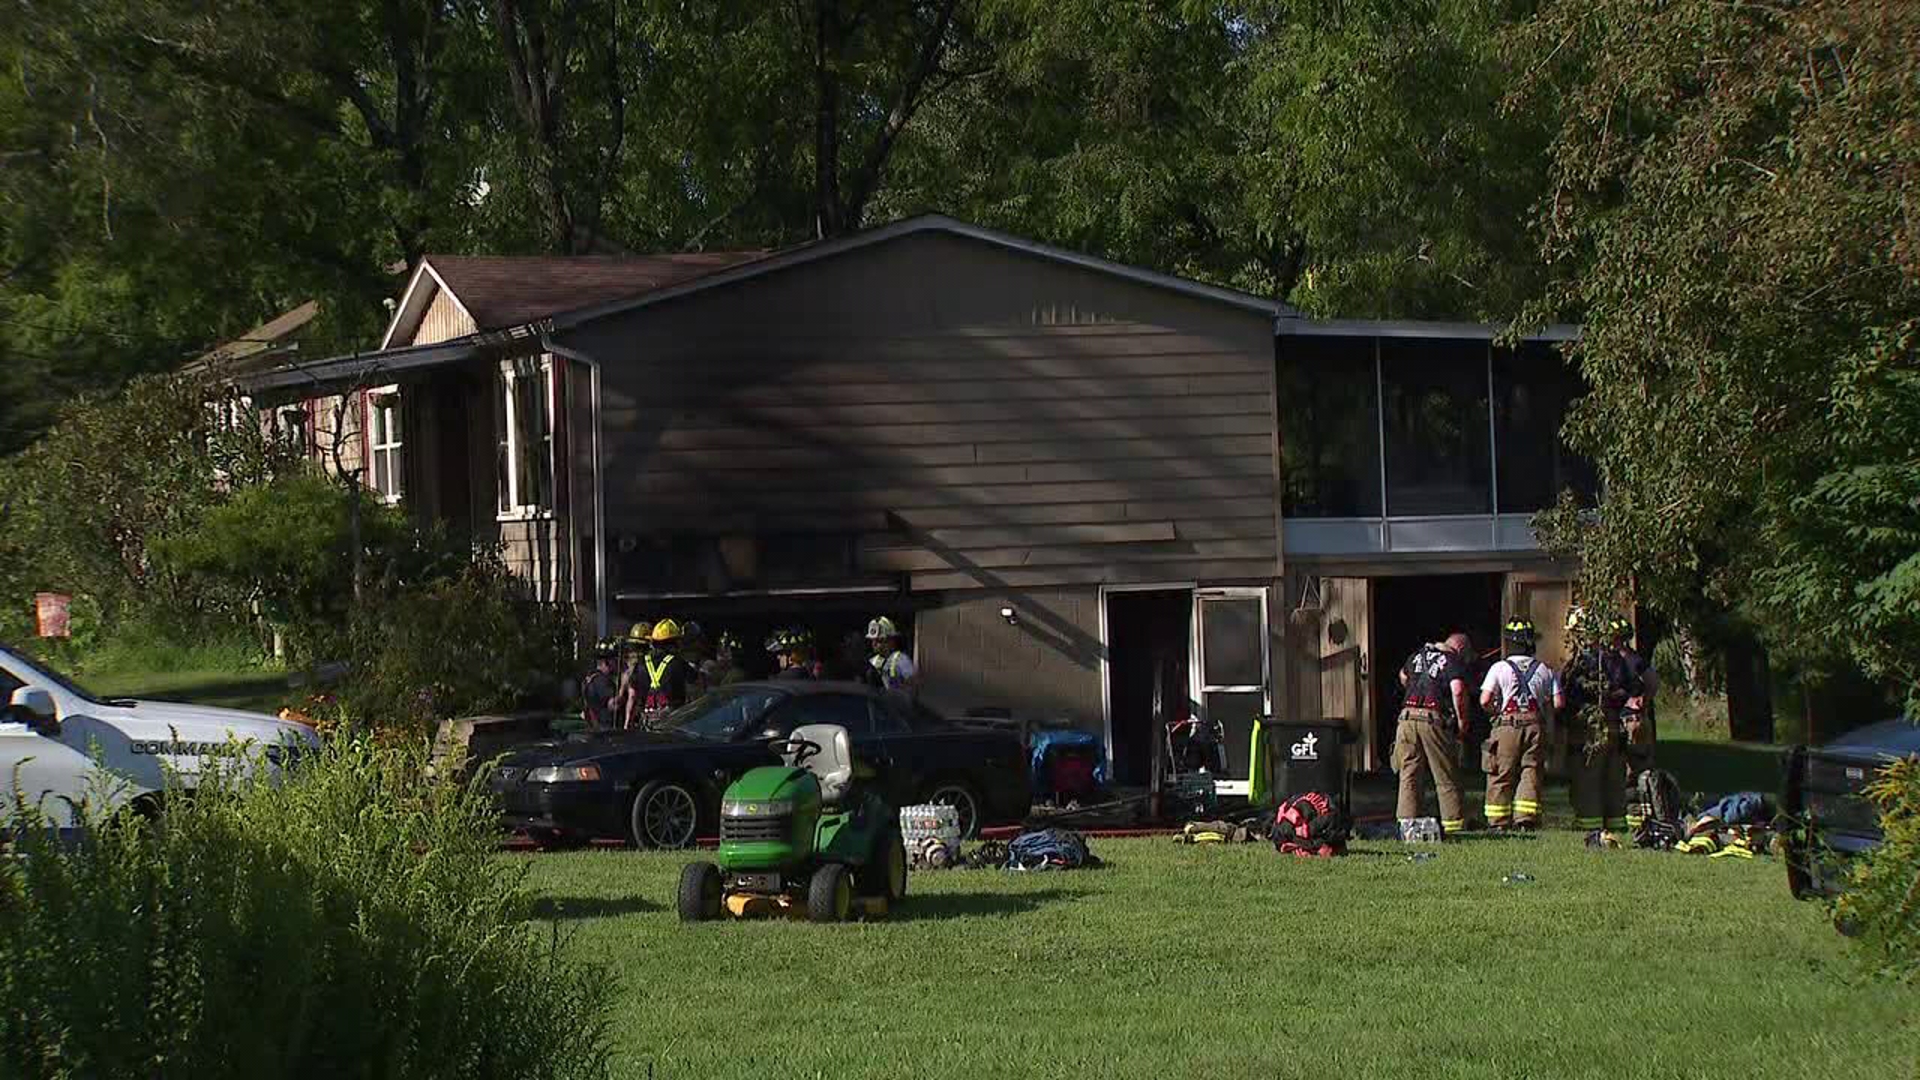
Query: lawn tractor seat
{"points": [[832, 766]]}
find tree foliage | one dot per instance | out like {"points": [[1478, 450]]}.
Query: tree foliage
{"points": [[84, 505], [1731, 213]]}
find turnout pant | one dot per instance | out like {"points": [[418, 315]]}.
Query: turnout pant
{"points": [[1424, 741], [1517, 757], [1599, 798]]}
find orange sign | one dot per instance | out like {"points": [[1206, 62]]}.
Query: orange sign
{"points": [[50, 614]]}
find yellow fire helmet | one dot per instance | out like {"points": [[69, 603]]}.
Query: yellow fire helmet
{"points": [[640, 631], [665, 630]]}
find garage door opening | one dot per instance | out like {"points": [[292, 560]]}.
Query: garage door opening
{"points": [[1411, 611], [1148, 638]]}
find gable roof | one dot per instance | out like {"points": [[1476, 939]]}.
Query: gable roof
{"points": [[924, 223], [499, 291], [260, 346]]}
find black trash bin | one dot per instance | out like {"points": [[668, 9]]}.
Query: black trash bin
{"points": [[1309, 757]]}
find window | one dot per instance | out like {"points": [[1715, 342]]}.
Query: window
{"points": [[1329, 427], [523, 422], [1533, 390], [1434, 409], [847, 710], [383, 442]]}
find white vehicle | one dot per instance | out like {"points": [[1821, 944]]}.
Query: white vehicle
{"points": [[52, 733]]}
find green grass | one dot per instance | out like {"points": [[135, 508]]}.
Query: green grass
{"points": [[224, 673], [257, 690], [1235, 962]]}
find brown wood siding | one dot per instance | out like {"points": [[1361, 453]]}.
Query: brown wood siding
{"points": [[951, 394], [338, 421], [442, 321]]}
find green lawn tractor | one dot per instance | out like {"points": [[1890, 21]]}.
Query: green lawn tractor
{"points": [[807, 837]]}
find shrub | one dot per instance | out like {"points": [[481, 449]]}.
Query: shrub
{"points": [[470, 644], [285, 548], [1882, 902], [116, 471], [354, 920]]}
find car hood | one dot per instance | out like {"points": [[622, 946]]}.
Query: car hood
{"points": [[174, 721], [1877, 742], [589, 747]]}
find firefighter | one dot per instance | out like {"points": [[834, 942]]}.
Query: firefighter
{"points": [[796, 656], [1636, 716], [1522, 694], [667, 672], [891, 668], [630, 687], [601, 686], [1599, 686], [724, 669], [1433, 717]]}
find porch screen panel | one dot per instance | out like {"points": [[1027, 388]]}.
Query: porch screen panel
{"points": [[1533, 390], [1329, 427], [1435, 412]]}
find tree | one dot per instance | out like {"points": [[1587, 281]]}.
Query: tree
{"points": [[1730, 217]]}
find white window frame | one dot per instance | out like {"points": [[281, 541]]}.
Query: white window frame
{"points": [[509, 503], [394, 446]]}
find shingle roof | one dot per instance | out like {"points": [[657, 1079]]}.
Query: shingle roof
{"points": [[503, 291]]}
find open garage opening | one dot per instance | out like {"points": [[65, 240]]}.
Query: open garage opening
{"points": [[1410, 611]]}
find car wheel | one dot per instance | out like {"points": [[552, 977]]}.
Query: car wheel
{"points": [[699, 892], [830, 894], [966, 804], [666, 815]]}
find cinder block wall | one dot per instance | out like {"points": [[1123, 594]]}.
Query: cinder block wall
{"points": [[1047, 664]]}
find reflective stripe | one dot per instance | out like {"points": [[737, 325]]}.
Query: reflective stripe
{"points": [[1453, 824], [1526, 804]]}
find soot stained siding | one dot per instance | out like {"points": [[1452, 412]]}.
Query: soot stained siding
{"points": [[974, 416]]}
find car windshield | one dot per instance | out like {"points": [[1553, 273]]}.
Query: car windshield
{"points": [[30, 673], [723, 714]]}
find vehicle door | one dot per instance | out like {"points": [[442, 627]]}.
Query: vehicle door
{"points": [[47, 772]]}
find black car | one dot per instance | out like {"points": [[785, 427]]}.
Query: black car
{"points": [[1830, 818], [661, 789]]}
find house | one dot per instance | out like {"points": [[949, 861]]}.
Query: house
{"points": [[1063, 473]]}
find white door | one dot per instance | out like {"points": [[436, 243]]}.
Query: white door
{"points": [[45, 772], [1232, 679]]}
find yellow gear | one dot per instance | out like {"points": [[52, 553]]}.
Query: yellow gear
{"points": [[640, 631], [665, 630]]}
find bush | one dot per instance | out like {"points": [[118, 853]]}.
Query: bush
{"points": [[285, 548], [115, 472], [352, 921], [1882, 902], [471, 644]]}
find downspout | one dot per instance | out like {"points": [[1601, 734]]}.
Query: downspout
{"points": [[599, 478]]}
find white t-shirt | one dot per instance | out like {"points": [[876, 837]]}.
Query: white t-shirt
{"points": [[1503, 681]]}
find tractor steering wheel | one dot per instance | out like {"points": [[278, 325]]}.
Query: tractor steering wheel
{"points": [[801, 749]]}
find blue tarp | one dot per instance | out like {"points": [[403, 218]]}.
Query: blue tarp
{"points": [[1046, 739]]}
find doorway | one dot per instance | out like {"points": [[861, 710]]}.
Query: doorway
{"points": [[1409, 612], [1148, 634]]}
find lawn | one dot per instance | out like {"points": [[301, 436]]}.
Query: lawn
{"points": [[1234, 962], [260, 691]]}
